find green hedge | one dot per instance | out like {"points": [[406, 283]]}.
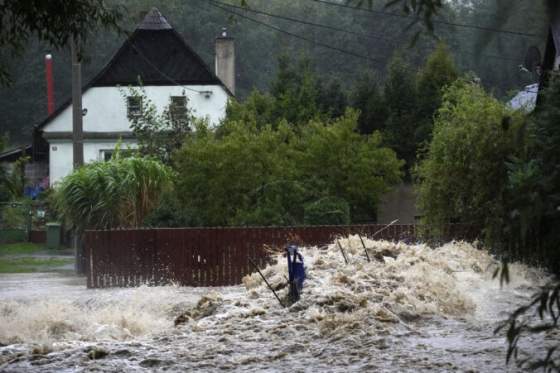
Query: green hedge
{"points": [[12, 235]]}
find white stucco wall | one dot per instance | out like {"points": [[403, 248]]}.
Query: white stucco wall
{"points": [[61, 155], [107, 111]]}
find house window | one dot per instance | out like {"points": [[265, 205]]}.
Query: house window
{"points": [[178, 108], [134, 106], [106, 154]]}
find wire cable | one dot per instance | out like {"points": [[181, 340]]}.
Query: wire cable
{"points": [[347, 52], [167, 77], [416, 19], [314, 24], [303, 22]]}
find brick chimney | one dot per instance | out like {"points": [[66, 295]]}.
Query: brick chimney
{"points": [[225, 60]]}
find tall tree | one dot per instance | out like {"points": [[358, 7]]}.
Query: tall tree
{"points": [[367, 97], [331, 98], [438, 73], [463, 177], [295, 91], [401, 101]]}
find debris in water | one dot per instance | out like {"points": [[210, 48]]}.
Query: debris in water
{"points": [[404, 283], [95, 353], [363, 316], [206, 306]]}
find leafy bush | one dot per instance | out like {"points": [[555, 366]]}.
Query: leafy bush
{"points": [[226, 178], [463, 177], [244, 173], [12, 182], [534, 186], [168, 214], [121, 192], [538, 318], [14, 215], [327, 211], [335, 160]]}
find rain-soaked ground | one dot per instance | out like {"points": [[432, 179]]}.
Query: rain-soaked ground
{"points": [[411, 309]]}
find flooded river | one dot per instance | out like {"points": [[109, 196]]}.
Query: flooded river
{"points": [[411, 308]]}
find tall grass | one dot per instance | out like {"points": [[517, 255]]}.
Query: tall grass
{"points": [[118, 193]]}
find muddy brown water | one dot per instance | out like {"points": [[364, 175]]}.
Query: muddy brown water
{"points": [[424, 310]]}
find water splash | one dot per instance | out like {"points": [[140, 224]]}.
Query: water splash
{"points": [[403, 280], [118, 314], [411, 308]]}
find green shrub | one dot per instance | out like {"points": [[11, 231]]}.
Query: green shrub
{"points": [[169, 214], [463, 177], [534, 186], [121, 192], [327, 211], [8, 235], [14, 216], [248, 174]]}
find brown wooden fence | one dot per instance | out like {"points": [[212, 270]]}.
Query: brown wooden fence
{"points": [[36, 236], [209, 256]]}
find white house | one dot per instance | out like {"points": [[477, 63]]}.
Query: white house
{"points": [[170, 72], [525, 99]]}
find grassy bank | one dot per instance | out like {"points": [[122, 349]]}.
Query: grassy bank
{"points": [[29, 257]]}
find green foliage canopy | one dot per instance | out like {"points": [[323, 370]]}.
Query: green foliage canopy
{"points": [[296, 96], [534, 185], [401, 102], [245, 174], [367, 97], [463, 177], [438, 72]]}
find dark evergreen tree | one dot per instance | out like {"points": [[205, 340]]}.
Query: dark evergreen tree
{"points": [[401, 101], [331, 98], [295, 91], [368, 99], [438, 73]]}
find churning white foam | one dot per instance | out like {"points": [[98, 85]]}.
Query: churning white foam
{"points": [[402, 283], [113, 314]]}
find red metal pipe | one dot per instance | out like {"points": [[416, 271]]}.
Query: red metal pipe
{"points": [[50, 83]]}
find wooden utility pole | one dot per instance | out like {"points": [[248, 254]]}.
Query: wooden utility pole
{"points": [[77, 141], [77, 125]]}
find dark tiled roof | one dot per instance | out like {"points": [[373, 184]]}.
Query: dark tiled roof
{"points": [[156, 54], [154, 20]]}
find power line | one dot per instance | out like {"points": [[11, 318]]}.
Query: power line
{"points": [[314, 24], [350, 53], [304, 22], [392, 14], [167, 77]]}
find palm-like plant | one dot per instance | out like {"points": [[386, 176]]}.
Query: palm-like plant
{"points": [[119, 193]]}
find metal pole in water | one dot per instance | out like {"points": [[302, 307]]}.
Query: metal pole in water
{"points": [[342, 251], [265, 281], [365, 249], [385, 227]]}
